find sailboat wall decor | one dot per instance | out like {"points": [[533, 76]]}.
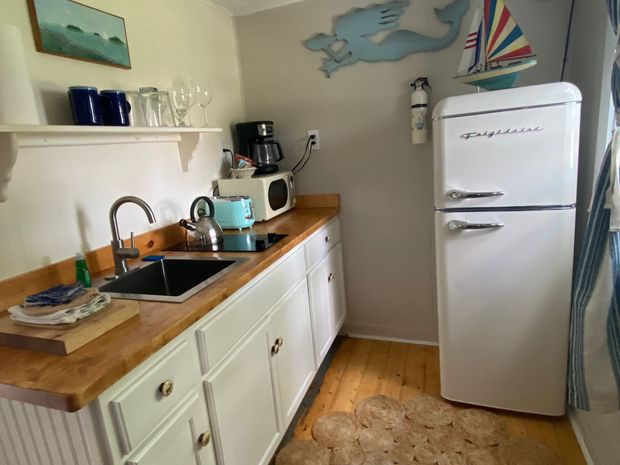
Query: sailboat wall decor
{"points": [[496, 50]]}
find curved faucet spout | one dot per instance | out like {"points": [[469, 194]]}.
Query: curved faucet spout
{"points": [[128, 199], [119, 251]]}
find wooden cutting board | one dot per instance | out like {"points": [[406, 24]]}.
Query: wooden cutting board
{"points": [[63, 341]]}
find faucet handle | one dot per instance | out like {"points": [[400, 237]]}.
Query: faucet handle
{"points": [[132, 240]]}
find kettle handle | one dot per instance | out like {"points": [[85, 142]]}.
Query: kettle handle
{"points": [[280, 151], [195, 203]]}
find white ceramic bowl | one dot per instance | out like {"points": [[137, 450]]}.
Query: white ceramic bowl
{"points": [[243, 173]]}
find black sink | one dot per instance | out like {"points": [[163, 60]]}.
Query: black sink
{"points": [[170, 279]]}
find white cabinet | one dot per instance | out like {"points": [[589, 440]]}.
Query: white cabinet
{"points": [[143, 404], [290, 334], [335, 278], [327, 300], [320, 303], [185, 440], [243, 406], [253, 358], [139, 408]]}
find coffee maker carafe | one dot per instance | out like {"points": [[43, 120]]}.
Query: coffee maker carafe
{"points": [[257, 142]]}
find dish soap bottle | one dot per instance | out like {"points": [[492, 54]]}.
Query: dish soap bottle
{"points": [[81, 270]]}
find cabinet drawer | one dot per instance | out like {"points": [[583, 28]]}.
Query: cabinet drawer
{"points": [[137, 410], [185, 439], [237, 318], [318, 246]]}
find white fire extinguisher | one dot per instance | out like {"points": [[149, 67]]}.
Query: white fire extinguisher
{"points": [[419, 111]]}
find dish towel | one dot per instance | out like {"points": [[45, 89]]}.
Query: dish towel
{"points": [[66, 316], [57, 295]]}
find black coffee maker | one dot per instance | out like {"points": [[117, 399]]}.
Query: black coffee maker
{"points": [[256, 141]]}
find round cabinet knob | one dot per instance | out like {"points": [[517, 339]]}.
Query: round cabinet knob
{"points": [[166, 387], [204, 439], [328, 239], [280, 342], [330, 278], [275, 349]]}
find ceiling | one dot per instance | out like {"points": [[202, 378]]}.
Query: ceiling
{"points": [[247, 7]]}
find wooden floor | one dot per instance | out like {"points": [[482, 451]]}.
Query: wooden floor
{"points": [[362, 368]]}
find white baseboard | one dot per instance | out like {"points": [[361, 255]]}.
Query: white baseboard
{"points": [[406, 334], [579, 428], [393, 339]]}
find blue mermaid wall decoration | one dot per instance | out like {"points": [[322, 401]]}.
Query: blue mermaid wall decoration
{"points": [[357, 27]]}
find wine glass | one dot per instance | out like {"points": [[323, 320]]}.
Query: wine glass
{"points": [[203, 93], [182, 98]]}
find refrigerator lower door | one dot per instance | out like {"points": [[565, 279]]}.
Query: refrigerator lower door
{"points": [[504, 295]]}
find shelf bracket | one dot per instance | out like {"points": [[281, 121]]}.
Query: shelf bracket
{"points": [[8, 157]]}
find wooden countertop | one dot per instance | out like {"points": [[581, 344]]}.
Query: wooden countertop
{"points": [[71, 382]]}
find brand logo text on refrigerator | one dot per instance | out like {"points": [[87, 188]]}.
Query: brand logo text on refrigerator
{"points": [[500, 132]]}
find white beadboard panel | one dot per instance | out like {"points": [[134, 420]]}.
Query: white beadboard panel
{"points": [[31, 435], [50, 440]]}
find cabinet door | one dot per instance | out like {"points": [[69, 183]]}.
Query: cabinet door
{"points": [[337, 300], [292, 355], [186, 439], [242, 405], [322, 326]]}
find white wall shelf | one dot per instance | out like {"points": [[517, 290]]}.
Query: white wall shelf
{"points": [[58, 136], [15, 137]]}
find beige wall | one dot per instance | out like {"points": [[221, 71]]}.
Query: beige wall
{"points": [[59, 198], [366, 155]]}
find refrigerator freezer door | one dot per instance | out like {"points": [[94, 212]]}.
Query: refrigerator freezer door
{"points": [[526, 157], [504, 296]]}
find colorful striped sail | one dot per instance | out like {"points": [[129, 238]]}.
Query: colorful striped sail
{"points": [[473, 58], [505, 39], [496, 51]]}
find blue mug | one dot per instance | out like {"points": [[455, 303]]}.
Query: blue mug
{"points": [[85, 106], [115, 108]]}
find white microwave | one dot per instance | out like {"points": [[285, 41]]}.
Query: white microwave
{"points": [[271, 194]]}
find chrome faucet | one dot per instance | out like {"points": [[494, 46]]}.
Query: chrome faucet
{"points": [[119, 251]]}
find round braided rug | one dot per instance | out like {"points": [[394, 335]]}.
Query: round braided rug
{"points": [[429, 411], [348, 454], [336, 428], [379, 410], [447, 439], [480, 427], [401, 454], [426, 454], [378, 458], [298, 452], [407, 432], [376, 439], [451, 458]]}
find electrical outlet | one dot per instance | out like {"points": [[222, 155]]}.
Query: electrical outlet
{"points": [[317, 140]]}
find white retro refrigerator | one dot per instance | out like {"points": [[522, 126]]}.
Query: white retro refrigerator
{"points": [[505, 166]]}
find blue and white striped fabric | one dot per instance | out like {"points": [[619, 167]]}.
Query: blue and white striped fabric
{"points": [[614, 13], [594, 365]]}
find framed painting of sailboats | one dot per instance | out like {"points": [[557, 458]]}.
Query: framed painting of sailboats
{"points": [[496, 49], [71, 29]]}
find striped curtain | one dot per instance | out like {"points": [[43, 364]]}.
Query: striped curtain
{"points": [[594, 365]]}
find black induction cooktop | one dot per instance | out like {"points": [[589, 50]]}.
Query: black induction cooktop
{"points": [[245, 242]]}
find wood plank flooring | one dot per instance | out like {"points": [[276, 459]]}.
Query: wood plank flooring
{"points": [[362, 368]]}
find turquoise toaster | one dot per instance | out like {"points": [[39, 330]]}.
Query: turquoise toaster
{"points": [[234, 212]]}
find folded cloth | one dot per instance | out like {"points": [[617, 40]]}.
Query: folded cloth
{"points": [[63, 317], [57, 295], [39, 310]]}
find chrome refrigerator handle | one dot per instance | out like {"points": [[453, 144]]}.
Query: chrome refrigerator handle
{"points": [[455, 225], [460, 195]]}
